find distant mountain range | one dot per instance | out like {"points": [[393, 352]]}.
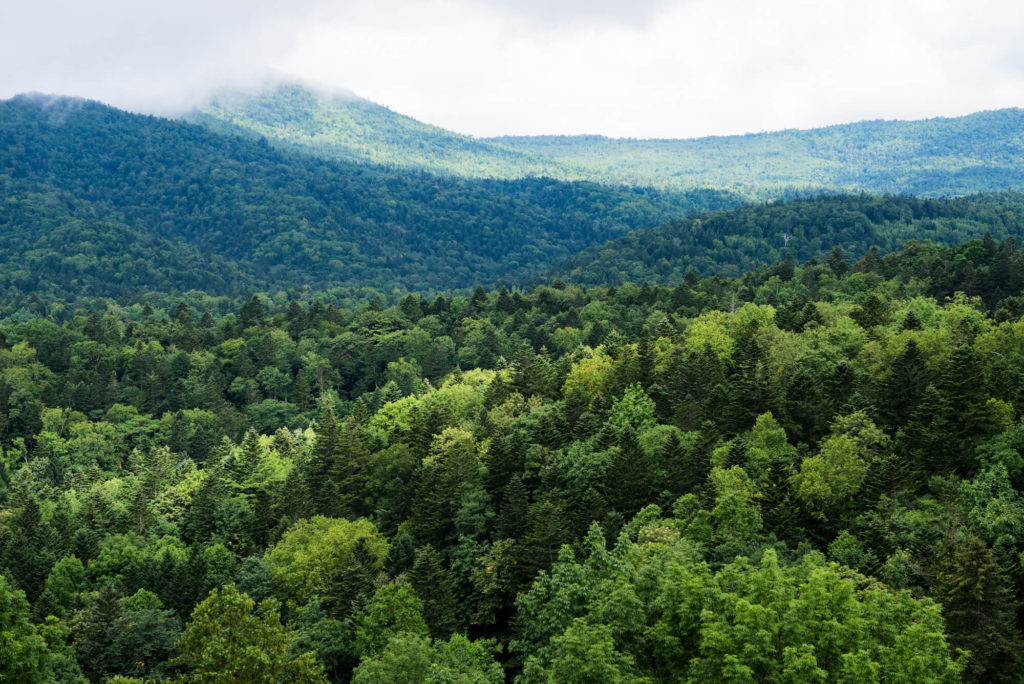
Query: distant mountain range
{"points": [[345, 127], [935, 157], [103, 202], [981, 152], [290, 188]]}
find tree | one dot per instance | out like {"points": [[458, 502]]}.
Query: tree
{"points": [[978, 602], [651, 607], [903, 385], [393, 610], [585, 654], [24, 656], [411, 659], [432, 583], [327, 558], [226, 641]]}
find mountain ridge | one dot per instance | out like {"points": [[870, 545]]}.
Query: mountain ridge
{"points": [[272, 218], [347, 127]]}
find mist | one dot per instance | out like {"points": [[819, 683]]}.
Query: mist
{"points": [[652, 68]]}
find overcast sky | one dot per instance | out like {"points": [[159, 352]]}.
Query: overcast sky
{"points": [[639, 68]]}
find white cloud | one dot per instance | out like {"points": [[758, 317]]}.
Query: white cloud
{"points": [[645, 68]]}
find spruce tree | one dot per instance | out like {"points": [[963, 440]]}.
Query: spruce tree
{"points": [[432, 583], [978, 610]]}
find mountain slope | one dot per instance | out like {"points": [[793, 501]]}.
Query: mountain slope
{"points": [[944, 156], [348, 128], [243, 214], [734, 241]]}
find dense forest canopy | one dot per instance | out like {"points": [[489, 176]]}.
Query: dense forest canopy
{"points": [[780, 442], [97, 201], [733, 242], [810, 473], [980, 152]]}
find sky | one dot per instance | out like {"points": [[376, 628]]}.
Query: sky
{"points": [[624, 68]]}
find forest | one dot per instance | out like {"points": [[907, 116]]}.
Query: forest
{"points": [[100, 202], [937, 157], [809, 472], [343, 126], [735, 241]]}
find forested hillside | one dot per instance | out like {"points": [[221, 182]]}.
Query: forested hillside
{"points": [[733, 242], [98, 201], [345, 127], [811, 473], [934, 157]]}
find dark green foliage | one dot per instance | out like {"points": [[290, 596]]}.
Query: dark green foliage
{"points": [[225, 214], [978, 611], [735, 241]]}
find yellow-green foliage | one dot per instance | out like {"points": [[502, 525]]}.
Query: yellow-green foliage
{"points": [[460, 398], [591, 378], [314, 554]]}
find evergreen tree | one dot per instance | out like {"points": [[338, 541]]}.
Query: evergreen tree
{"points": [[977, 602]]}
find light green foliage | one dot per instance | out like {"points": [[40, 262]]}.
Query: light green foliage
{"points": [[838, 471], [591, 377], [584, 654], [768, 447], [411, 659], [315, 554], [24, 656], [393, 610], [735, 516], [66, 580], [633, 408], [709, 331], [456, 398], [936, 157], [749, 621], [225, 641], [344, 126]]}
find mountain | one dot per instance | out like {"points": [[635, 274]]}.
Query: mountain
{"points": [[982, 152], [343, 126], [103, 202], [730, 242]]}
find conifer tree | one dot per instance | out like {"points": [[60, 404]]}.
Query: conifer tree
{"points": [[432, 583], [977, 601]]}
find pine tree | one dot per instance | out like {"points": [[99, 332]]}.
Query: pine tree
{"points": [[247, 459], [645, 358], [514, 508], [962, 386], [29, 555], [629, 479], [302, 393], [978, 610], [432, 583], [837, 262], [902, 386], [323, 462], [350, 471], [402, 556]]}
